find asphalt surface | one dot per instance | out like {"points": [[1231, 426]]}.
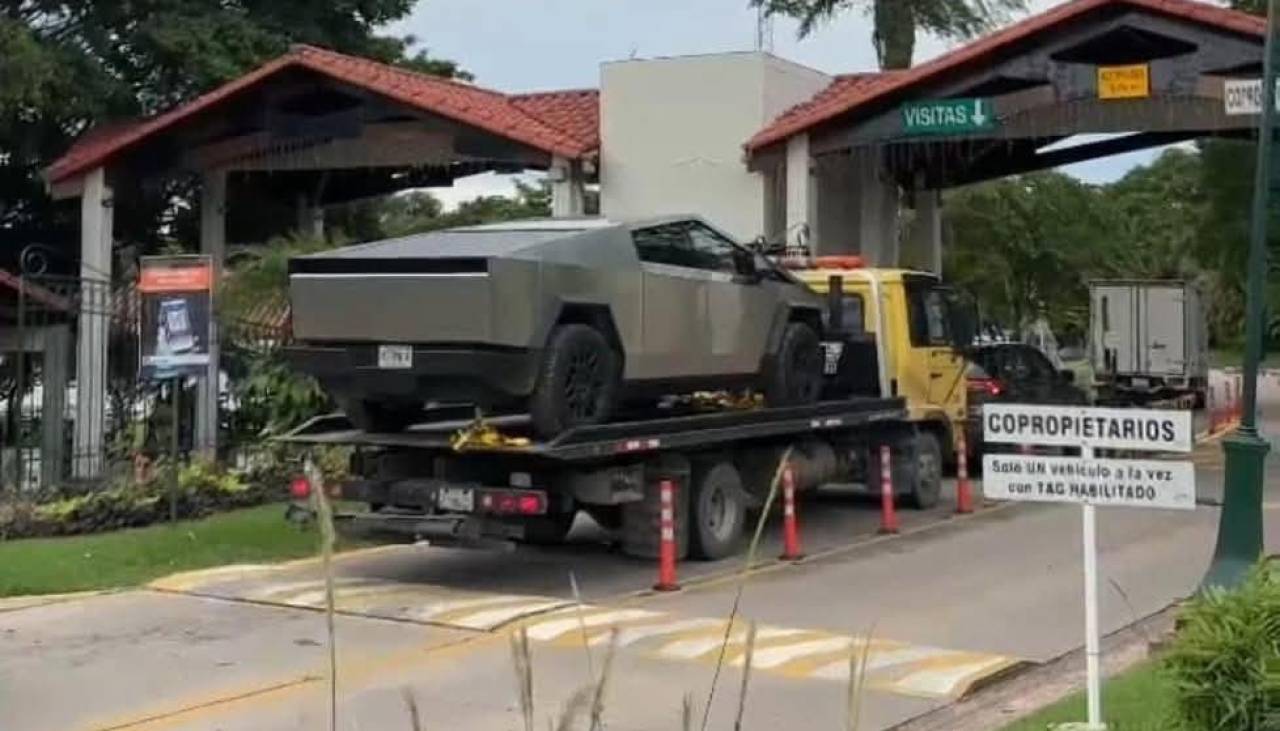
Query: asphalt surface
{"points": [[950, 603]]}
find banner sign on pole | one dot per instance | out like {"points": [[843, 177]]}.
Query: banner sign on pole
{"points": [[1152, 430], [1104, 482], [177, 303]]}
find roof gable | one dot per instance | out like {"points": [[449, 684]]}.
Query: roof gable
{"points": [[514, 117], [842, 98]]}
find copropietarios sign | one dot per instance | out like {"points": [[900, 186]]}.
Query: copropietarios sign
{"points": [[1133, 483], [1066, 426]]}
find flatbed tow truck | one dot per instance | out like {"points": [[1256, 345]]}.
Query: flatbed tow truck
{"points": [[458, 479]]}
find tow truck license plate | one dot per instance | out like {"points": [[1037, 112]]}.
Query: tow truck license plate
{"points": [[395, 356], [457, 499]]}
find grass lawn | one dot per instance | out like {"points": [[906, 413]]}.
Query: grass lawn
{"points": [[1139, 700], [135, 556]]}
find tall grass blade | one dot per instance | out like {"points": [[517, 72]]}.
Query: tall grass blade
{"points": [[742, 581], [747, 660], [858, 681], [577, 705], [411, 703], [522, 661], [606, 670], [582, 626], [324, 516]]}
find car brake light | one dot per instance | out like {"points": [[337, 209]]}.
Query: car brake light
{"points": [[300, 488], [530, 505]]}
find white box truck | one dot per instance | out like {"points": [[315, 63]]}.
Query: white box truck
{"points": [[1148, 341]]}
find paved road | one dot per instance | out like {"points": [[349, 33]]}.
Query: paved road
{"points": [[950, 603]]}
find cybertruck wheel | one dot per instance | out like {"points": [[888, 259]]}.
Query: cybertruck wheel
{"points": [[578, 382], [796, 376], [380, 417]]}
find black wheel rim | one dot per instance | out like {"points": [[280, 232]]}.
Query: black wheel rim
{"points": [[583, 383], [715, 513]]}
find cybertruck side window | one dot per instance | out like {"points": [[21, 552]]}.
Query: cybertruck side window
{"points": [[668, 244], [713, 251], [686, 244]]}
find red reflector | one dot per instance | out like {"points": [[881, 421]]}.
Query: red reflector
{"points": [[506, 503], [300, 488], [530, 505]]}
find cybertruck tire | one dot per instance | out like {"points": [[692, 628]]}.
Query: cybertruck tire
{"points": [[796, 376], [577, 383]]}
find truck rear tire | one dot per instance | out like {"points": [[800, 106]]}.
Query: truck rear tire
{"points": [[717, 512], [578, 382], [642, 521]]}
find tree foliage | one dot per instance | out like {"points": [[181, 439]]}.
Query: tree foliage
{"points": [[68, 65], [897, 21]]}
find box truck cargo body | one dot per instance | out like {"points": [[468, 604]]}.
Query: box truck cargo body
{"points": [[1148, 340]]}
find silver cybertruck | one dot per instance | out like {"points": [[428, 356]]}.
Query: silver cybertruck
{"points": [[564, 319]]}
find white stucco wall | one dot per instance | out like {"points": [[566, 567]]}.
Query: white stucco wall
{"points": [[672, 131]]}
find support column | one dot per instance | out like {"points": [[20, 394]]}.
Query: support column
{"points": [[877, 201], [568, 188], [310, 218], [801, 194], [92, 333], [213, 241], [56, 350], [927, 234]]}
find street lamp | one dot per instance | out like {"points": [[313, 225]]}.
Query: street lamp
{"points": [[1240, 523]]}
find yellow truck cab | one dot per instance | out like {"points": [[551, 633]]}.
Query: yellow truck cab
{"points": [[911, 317]]}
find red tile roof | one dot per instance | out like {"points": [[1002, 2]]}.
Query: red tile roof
{"points": [[848, 93], [575, 112], [515, 118]]}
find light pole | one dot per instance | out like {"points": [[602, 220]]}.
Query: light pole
{"points": [[1240, 524]]}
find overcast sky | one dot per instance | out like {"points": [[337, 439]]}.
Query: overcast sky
{"points": [[527, 45]]}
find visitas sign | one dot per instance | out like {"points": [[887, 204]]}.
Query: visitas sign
{"points": [[948, 116]]}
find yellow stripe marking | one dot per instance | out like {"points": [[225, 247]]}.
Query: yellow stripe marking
{"points": [[551, 629]]}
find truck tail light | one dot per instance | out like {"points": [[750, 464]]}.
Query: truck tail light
{"points": [[513, 502], [300, 488]]}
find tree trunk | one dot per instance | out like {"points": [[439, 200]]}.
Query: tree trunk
{"points": [[895, 33]]}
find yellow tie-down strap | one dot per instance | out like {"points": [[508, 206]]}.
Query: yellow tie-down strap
{"points": [[480, 435]]}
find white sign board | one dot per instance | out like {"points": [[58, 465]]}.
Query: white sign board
{"points": [[1244, 96], [1134, 483], [1077, 426]]}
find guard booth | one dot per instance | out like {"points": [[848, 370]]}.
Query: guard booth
{"points": [[1145, 73]]}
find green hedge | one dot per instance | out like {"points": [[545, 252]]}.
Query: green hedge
{"points": [[1225, 661], [202, 488]]}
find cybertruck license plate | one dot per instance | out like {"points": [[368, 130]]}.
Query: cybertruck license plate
{"points": [[458, 499], [395, 356]]}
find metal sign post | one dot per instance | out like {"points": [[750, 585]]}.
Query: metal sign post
{"points": [[1089, 481]]}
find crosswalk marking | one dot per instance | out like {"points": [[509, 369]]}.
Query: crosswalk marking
{"points": [[551, 629], [891, 666], [806, 654]]}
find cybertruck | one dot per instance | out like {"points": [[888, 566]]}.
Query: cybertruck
{"points": [[565, 319]]}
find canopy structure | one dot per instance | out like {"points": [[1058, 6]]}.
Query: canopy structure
{"points": [[1142, 72], [318, 128]]}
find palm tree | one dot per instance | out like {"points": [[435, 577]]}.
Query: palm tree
{"points": [[896, 21]]}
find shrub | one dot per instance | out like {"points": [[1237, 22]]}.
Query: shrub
{"points": [[202, 487], [1225, 662]]}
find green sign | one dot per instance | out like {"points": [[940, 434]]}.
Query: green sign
{"points": [[947, 116]]}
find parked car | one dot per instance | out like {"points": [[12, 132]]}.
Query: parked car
{"points": [[1014, 373], [566, 319]]}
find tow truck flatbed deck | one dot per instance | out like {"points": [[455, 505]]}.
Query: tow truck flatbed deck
{"points": [[672, 430]]}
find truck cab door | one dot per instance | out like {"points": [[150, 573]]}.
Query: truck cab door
{"points": [[935, 364]]}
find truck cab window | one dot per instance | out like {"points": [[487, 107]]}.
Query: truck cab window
{"points": [[668, 244], [714, 252], [929, 316]]}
